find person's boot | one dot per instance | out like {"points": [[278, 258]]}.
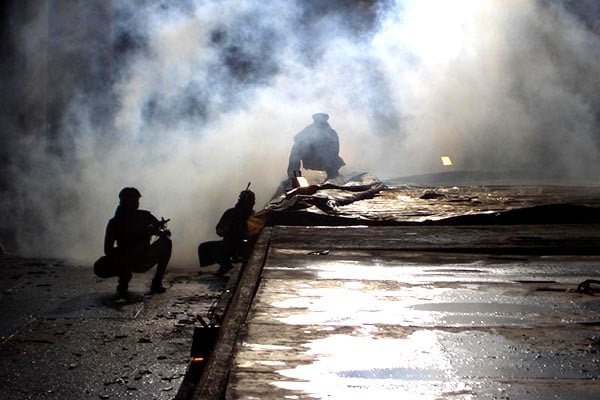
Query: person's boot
{"points": [[157, 286], [223, 269]]}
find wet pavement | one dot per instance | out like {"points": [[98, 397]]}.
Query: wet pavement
{"points": [[344, 313], [64, 336]]}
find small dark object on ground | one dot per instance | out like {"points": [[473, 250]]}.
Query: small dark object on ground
{"points": [[428, 195], [585, 286], [318, 253]]}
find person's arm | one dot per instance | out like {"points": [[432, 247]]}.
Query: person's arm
{"points": [[153, 223], [335, 141], [109, 239], [294, 162], [224, 225], [155, 227]]}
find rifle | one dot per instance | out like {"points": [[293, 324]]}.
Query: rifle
{"points": [[162, 228]]}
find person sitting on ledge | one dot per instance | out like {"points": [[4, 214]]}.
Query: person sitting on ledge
{"points": [[233, 228]]}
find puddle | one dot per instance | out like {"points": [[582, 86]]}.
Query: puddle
{"points": [[349, 367], [427, 365], [378, 303], [394, 373], [484, 308]]}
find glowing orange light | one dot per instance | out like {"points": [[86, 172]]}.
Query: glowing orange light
{"points": [[197, 359], [446, 161]]}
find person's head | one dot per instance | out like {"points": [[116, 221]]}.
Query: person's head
{"points": [[246, 199], [320, 117], [129, 197]]}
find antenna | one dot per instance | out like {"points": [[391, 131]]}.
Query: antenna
{"points": [[247, 187]]}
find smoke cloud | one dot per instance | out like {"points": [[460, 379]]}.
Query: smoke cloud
{"points": [[206, 96]]}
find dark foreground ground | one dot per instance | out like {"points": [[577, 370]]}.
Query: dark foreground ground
{"points": [[63, 336]]}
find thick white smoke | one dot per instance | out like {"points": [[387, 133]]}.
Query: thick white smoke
{"points": [[499, 85], [212, 95]]}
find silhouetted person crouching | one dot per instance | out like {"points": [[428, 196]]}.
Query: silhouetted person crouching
{"points": [[317, 146], [233, 228], [132, 230]]}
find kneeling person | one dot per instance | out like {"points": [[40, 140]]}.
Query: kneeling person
{"points": [[233, 228], [131, 230]]}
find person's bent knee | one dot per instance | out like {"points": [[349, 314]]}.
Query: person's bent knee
{"points": [[106, 267], [163, 241], [164, 244]]}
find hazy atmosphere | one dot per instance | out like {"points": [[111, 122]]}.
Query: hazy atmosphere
{"points": [[189, 102]]}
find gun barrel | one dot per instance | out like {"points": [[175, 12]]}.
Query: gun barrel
{"points": [[163, 221]]}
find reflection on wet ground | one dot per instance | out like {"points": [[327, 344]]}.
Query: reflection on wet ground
{"points": [[388, 324], [429, 364], [406, 292]]}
